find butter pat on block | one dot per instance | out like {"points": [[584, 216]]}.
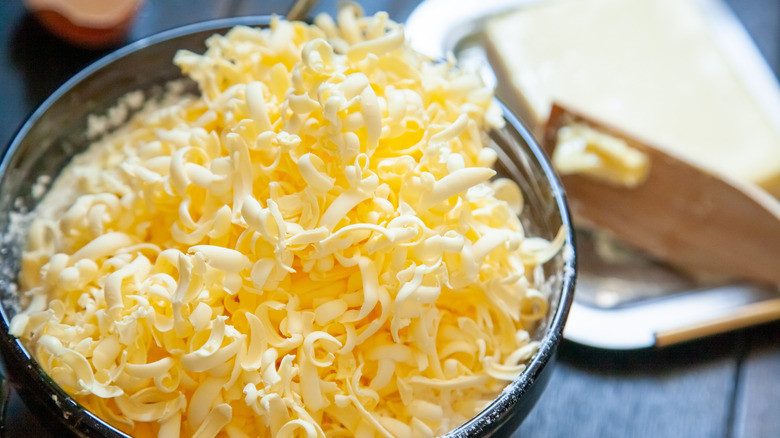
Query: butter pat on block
{"points": [[657, 69], [584, 150]]}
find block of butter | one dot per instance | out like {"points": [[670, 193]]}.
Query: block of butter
{"points": [[673, 72]]}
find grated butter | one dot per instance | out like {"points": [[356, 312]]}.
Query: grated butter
{"points": [[311, 247]]}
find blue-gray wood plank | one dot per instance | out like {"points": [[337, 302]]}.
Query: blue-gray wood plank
{"points": [[690, 401], [757, 399]]}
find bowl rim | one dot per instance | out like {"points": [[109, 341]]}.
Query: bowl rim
{"points": [[498, 410], [548, 345]]}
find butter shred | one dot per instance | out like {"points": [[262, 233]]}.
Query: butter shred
{"points": [[315, 245]]}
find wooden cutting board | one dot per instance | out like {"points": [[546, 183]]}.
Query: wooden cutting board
{"points": [[701, 222]]}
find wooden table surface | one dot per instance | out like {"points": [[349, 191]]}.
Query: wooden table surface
{"points": [[725, 387]]}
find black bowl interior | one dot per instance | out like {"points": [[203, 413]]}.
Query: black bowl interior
{"points": [[57, 131]]}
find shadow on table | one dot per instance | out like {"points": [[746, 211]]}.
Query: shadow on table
{"points": [[45, 61], [733, 345]]}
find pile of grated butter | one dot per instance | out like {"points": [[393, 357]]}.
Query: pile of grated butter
{"points": [[311, 247]]}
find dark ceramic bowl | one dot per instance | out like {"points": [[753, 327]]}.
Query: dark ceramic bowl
{"points": [[56, 131]]}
